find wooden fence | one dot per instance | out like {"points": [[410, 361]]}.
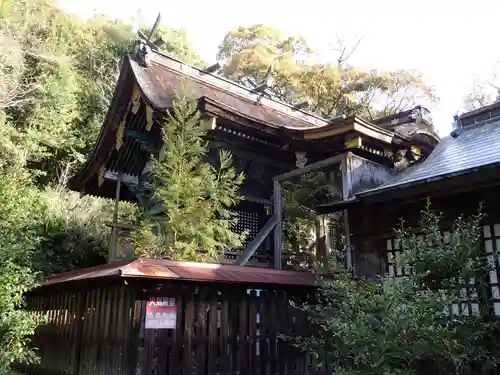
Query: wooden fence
{"points": [[219, 329]]}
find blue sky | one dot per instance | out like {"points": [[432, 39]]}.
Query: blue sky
{"points": [[451, 42]]}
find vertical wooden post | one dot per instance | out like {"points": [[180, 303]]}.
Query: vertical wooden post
{"points": [[114, 231], [347, 232], [346, 188], [77, 332], [278, 246], [321, 240]]}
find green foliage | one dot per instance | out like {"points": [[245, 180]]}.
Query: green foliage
{"points": [[196, 195], [16, 277], [300, 196], [73, 233], [66, 69], [400, 325], [16, 324], [444, 260], [333, 88]]}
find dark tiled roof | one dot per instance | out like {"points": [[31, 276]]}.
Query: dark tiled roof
{"points": [[475, 147]]}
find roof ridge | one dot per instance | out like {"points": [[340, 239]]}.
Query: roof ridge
{"points": [[286, 108]]}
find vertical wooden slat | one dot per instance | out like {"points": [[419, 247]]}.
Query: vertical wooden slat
{"points": [[94, 344], [272, 316], [243, 335], [112, 328], [68, 323], [86, 332], [252, 332], [212, 332], [120, 333], [109, 332], [224, 334], [51, 328], [174, 366], [201, 331], [100, 331], [138, 354], [263, 327], [56, 340], [234, 317], [282, 327], [133, 326], [187, 357], [81, 300]]}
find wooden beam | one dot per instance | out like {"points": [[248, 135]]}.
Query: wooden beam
{"points": [[277, 207], [354, 142], [208, 123], [257, 241], [114, 231], [348, 246], [311, 167], [121, 225]]}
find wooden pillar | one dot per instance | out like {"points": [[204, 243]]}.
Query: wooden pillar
{"points": [[277, 206], [113, 246], [348, 244]]}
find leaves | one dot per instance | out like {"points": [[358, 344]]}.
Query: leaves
{"points": [[196, 196], [399, 324], [334, 88]]}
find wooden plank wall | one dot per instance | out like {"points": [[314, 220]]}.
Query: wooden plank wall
{"points": [[220, 329], [86, 332], [224, 330]]}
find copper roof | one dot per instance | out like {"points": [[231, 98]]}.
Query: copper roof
{"points": [[188, 271], [165, 77]]}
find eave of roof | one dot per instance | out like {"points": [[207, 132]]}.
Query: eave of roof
{"points": [[161, 269], [106, 138], [479, 110], [158, 83], [476, 147]]}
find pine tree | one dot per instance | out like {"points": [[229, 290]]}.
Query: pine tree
{"points": [[197, 197]]}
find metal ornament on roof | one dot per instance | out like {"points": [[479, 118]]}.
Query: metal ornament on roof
{"points": [[136, 99], [100, 176], [120, 132], [149, 117], [301, 159], [145, 44]]}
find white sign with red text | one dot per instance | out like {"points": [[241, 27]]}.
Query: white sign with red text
{"points": [[161, 313]]}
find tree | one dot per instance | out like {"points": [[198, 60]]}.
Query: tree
{"points": [[300, 197], [196, 196], [333, 88], [57, 75], [482, 93], [250, 51], [400, 325], [66, 69], [18, 238]]}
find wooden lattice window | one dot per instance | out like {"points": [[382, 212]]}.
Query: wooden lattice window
{"points": [[247, 221], [393, 249], [467, 302], [491, 235]]}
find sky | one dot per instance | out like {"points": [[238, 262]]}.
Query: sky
{"points": [[452, 43]]}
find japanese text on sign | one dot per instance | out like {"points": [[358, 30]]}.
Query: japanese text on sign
{"points": [[161, 313]]}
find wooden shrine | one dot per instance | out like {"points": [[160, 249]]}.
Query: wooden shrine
{"points": [[268, 138]]}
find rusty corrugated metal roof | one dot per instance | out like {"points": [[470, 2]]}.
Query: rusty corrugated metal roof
{"points": [[190, 271]]}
